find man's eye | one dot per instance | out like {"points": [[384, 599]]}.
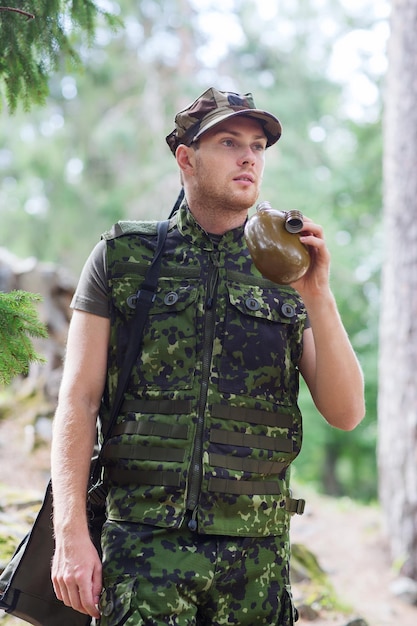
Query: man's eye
{"points": [[228, 142], [260, 147]]}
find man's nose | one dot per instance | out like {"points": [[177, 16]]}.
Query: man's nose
{"points": [[246, 156]]}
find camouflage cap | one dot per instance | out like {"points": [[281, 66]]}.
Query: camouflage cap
{"points": [[213, 107]]}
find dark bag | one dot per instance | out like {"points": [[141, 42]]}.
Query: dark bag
{"points": [[26, 589], [26, 584]]}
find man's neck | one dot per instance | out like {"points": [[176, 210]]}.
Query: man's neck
{"points": [[218, 221]]}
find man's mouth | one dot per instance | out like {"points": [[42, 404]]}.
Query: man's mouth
{"points": [[247, 178]]}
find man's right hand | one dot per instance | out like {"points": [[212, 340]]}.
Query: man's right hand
{"points": [[77, 574]]}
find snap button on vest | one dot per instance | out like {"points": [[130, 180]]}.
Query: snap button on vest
{"points": [[171, 298], [108, 608], [288, 310], [131, 301], [252, 304]]}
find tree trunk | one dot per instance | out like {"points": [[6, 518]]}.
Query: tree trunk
{"points": [[397, 398]]}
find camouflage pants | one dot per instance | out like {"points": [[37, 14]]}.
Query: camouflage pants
{"points": [[155, 576]]}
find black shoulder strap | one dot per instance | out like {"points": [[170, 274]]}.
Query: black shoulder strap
{"points": [[144, 298], [177, 203]]}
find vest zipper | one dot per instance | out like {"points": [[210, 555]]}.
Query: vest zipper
{"points": [[209, 326]]}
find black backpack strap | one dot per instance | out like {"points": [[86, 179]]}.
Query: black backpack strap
{"points": [[144, 299], [177, 202]]}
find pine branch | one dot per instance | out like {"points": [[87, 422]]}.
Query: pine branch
{"points": [[25, 13], [33, 48], [19, 323]]}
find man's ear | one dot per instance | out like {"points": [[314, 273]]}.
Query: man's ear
{"points": [[185, 158]]}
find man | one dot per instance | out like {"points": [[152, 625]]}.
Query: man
{"points": [[210, 421]]}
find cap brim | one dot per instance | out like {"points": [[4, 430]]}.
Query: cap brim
{"points": [[271, 124]]}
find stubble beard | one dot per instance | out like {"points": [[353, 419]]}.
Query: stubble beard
{"points": [[222, 200]]}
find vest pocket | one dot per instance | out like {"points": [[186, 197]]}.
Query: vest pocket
{"points": [[166, 360], [262, 343]]}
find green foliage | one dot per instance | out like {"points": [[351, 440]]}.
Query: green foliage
{"points": [[36, 37], [18, 323]]}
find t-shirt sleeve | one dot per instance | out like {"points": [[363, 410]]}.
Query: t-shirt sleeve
{"points": [[91, 294]]}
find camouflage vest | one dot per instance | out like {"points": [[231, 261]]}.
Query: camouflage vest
{"points": [[210, 422]]}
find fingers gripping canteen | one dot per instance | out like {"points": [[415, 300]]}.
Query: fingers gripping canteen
{"points": [[274, 244]]}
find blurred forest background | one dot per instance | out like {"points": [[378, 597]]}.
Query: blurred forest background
{"points": [[95, 153]]}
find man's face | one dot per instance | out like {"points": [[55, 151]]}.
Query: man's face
{"points": [[229, 164]]}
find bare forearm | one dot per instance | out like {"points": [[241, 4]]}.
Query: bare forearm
{"points": [[335, 378], [72, 446], [75, 419]]}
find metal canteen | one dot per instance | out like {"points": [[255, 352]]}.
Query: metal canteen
{"points": [[274, 244]]}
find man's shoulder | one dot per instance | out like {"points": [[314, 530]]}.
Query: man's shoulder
{"points": [[126, 227]]}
